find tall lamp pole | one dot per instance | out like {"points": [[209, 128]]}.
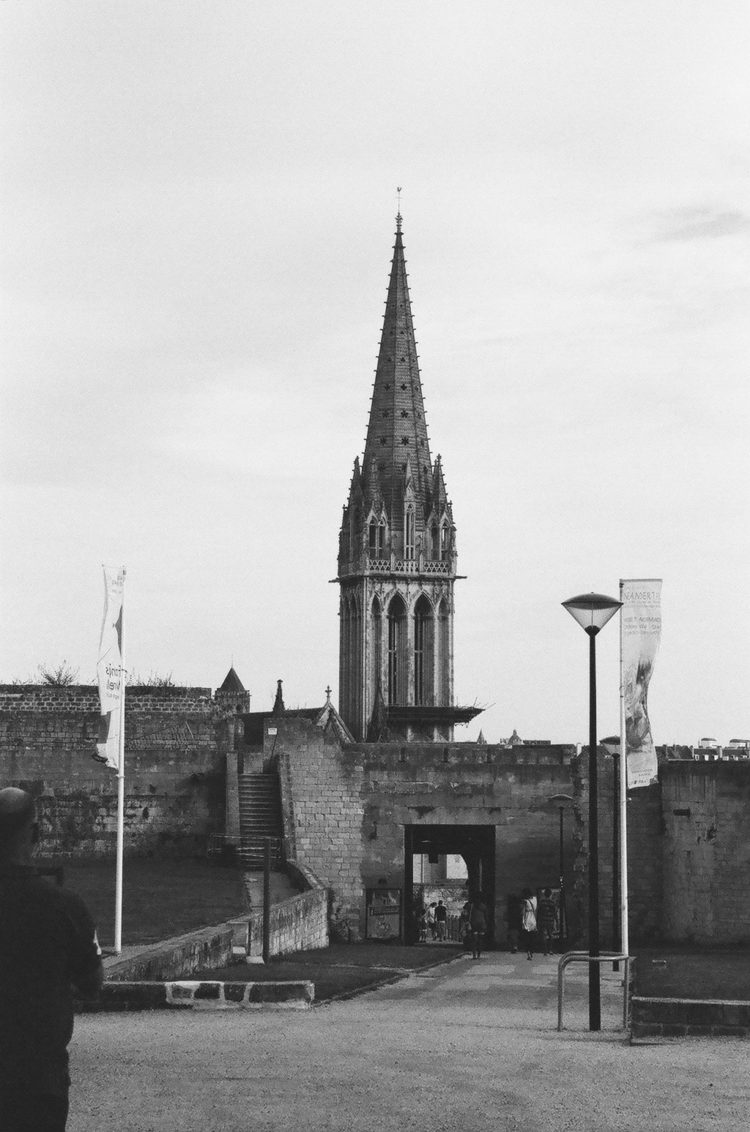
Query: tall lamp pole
{"points": [[592, 612]]}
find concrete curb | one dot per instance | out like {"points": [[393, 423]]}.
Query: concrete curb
{"points": [[688, 1017], [201, 995]]}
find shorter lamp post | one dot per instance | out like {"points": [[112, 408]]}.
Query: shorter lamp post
{"points": [[592, 612], [560, 798]]}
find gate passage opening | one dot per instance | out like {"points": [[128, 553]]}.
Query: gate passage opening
{"points": [[451, 863]]}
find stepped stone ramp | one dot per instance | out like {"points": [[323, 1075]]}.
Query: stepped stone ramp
{"points": [[260, 818]]}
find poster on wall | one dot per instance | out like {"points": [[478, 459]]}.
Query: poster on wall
{"points": [[640, 634], [383, 913]]}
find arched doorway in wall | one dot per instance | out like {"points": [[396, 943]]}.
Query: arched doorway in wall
{"points": [[473, 844]]}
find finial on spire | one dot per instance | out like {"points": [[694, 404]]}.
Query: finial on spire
{"points": [[398, 208], [329, 689]]}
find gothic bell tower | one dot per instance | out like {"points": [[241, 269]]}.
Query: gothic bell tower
{"points": [[397, 555]]}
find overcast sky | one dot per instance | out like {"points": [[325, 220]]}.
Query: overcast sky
{"points": [[198, 205]]}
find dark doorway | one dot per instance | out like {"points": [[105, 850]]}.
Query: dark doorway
{"points": [[475, 843]]}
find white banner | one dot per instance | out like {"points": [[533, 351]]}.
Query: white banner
{"points": [[109, 671], [640, 634]]}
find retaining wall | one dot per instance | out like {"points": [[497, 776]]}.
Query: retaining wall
{"points": [[689, 1017], [297, 924], [206, 949]]}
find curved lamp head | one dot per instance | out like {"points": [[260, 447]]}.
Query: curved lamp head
{"points": [[592, 611]]}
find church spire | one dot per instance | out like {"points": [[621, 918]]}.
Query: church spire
{"points": [[397, 432], [397, 561]]}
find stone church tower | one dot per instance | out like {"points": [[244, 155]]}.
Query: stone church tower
{"points": [[397, 555]]}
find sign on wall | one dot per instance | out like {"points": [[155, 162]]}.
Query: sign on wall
{"points": [[383, 913]]}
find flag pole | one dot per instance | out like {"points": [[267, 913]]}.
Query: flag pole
{"points": [[120, 790], [622, 802]]}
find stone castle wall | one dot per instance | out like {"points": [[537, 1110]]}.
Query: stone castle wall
{"points": [[706, 851], [345, 808], [175, 747]]}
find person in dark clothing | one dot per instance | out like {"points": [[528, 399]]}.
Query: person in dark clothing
{"points": [[48, 946], [478, 924], [441, 920]]}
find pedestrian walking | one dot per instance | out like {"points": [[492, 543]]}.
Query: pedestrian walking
{"points": [[464, 926], [431, 924], [441, 920], [48, 946], [478, 924], [529, 921]]}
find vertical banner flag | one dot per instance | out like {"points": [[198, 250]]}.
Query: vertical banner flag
{"points": [[640, 636], [109, 673]]}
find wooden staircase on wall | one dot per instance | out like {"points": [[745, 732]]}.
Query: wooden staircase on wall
{"points": [[260, 818]]}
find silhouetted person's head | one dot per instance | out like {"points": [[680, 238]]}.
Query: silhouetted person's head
{"points": [[18, 828], [547, 893]]}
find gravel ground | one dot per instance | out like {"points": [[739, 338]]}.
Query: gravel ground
{"points": [[469, 1046]]}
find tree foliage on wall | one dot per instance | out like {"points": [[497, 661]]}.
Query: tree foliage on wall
{"points": [[60, 675]]}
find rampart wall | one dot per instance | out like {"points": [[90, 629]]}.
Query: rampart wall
{"points": [[176, 741], [345, 809]]}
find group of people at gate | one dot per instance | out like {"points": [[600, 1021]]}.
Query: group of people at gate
{"points": [[532, 921]]}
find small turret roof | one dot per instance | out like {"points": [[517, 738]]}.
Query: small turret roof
{"points": [[232, 682]]}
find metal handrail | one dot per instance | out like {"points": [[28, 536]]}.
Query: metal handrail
{"points": [[584, 957]]}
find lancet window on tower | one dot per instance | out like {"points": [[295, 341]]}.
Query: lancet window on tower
{"points": [[443, 647], [444, 541], [423, 652], [396, 649], [409, 532], [377, 645], [377, 538]]}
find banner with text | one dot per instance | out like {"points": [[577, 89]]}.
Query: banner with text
{"points": [[640, 636], [109, 670]]}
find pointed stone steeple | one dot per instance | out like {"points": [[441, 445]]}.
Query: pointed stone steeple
{"points": [[397, 554], [397, 431]]}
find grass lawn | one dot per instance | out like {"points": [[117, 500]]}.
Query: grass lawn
{"points": [[342, 968], [690, 973], [161, 898]]}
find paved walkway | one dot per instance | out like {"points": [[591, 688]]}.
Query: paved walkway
{"points": [[471, 1046]]}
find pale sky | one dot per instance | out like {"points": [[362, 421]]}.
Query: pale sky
{"points": [[198, 205]]}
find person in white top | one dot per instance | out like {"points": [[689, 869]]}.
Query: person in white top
{"points": [[528, 912]]}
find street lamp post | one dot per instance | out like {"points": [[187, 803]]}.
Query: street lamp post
{"points": [[592, 612]]}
